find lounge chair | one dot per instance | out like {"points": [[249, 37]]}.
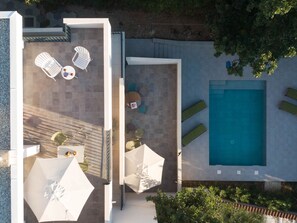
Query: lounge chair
{"points": [[291, 93], [189, 112], [193, 134], [48, 65], [81, 58], [288, 107]]}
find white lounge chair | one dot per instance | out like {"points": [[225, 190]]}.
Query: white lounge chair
{"points": [[81, 57], [48, 64]]}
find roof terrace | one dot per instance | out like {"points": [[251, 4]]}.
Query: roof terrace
{"points": [[75, 107]]}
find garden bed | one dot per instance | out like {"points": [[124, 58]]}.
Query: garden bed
{"points": [[254, 193]]}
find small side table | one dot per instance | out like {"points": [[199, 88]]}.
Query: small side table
{"points": [[133, 99], [68, 72], [80, 152]]}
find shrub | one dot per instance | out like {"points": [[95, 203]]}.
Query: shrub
{"points": [[285, 200], [198, 205]]}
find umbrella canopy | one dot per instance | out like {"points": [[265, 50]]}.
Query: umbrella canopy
{"points": [[56, 189], [144, 168]]}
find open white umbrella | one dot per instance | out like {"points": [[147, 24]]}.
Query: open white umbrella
{"points": [[144, 168], [56, 189]]}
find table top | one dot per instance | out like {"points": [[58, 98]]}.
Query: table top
{"points": [[132, 96], [80, 152], [68, 72]]}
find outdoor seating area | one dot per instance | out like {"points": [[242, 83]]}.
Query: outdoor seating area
{"points": [[154, 126], [198, 130], [52, 68], [66, 118]]}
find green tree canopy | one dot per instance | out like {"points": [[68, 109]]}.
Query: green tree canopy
{"points": [[259, 32], [198, 205]]}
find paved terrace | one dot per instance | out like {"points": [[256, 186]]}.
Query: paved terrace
{"points": [[199, 66], [75, 107], [157, 85]]}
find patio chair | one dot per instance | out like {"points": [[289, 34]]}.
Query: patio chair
{"points": [[291, 93], [48, 65], [59, 138], [288, 107], [81, 58], [189, 112], [193, 134]]}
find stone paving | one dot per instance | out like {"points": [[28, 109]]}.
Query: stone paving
{"points": [[199, 66], [158, 89], [75, 107]]}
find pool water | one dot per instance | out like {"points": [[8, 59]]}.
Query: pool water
{"points": [[237, 119]]}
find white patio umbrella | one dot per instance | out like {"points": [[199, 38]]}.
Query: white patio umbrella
{"points": [[144, 168], [56, 189]]}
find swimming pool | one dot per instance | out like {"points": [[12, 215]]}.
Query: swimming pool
{"points": [[237, 117]]}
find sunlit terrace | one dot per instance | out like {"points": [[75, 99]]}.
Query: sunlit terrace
{"points": [[74, 107]]}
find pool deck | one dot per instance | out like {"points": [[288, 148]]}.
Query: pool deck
{"points": [[199, 66]]}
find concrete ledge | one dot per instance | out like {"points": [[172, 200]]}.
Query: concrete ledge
{"points": [[31, 150]]}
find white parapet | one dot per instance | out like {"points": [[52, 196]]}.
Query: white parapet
{"points": [[31, 150]]}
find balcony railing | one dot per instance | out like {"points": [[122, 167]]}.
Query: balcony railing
{"points": [[58, 34]]}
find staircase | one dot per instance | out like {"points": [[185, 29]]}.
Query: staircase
{"points": [[166, 49]]}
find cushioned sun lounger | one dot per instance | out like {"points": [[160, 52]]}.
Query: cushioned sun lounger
{"points": [[193, 134], [288, 107], [291, 93], [189, 112]]}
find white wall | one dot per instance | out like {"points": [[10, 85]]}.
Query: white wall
{"points": [[16, 116]]}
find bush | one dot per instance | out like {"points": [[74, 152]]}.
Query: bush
{"points": [[186, 7], [198, 205], [285, 200]]}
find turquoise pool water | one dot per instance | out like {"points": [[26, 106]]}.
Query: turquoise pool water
{"points": [[237, 116]]}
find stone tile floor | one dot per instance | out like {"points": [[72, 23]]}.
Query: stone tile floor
{"points": [[158, 89], [75, 107]]}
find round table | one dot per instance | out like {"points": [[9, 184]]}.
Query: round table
{"points": [[68, 72], [132, 97]]}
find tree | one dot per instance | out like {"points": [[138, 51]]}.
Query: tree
{"points": [[198, 205], [259, 32], [31, 1]]}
